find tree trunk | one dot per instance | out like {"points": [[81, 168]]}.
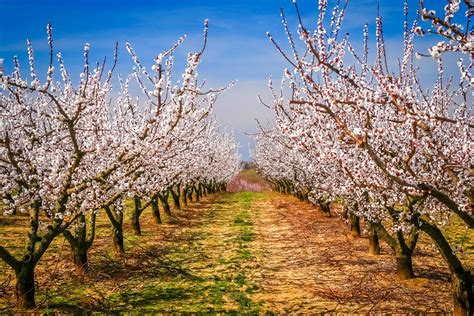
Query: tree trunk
{"points": [[277, 187], [461, 279], [80, 240], [80, 259], [324, 206], [165, 204], [374, 245], [403, 250], [156, 210], [345, 213], [25, 269], [167, 208], [79, 255], [25, 286], [286, 188], [300, 196], [136, 216], [404, 265], [197, 194], [175, 199], [470, 194], [117, 237], [305, 197], [200, 191], [117, 228], [184, 197], [355, 225], [462, 294], [136, 225], [354, 220], [212, 188]]}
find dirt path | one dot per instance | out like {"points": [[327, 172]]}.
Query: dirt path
{"points": [[241, 252], [310, 264]]}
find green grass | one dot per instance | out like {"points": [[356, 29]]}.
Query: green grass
{"points": [[196, 262], [251, 175], [461, 236]]}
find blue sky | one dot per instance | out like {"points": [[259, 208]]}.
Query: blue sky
{"points": [[238, 47]]}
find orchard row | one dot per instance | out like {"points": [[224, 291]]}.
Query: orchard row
{"points": [[352, 124], [71, 148]]}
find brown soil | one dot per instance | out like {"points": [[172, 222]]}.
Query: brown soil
{"points": [[310, 264]]}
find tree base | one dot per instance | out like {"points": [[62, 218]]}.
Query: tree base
{"points": [[81, 261], [463, 294], [118, 243], [405, 268], [374, 245], [25, 289]]}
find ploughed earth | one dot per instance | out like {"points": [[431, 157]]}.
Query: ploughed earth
{"points": [[243, 251]]}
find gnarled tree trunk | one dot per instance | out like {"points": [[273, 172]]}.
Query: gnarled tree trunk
{"points": [[354, 220], [404, 265], [165, 204], [403, 249], [355, 225], [175, 197], [184, 196], [137, 211], [190, 194], [25, 268], [463, 298], [155, 210], [197, 193], [324, 207], [463, 293], [116, 219], [25, 286], [81, 239], [374, 245], [117, 238]]}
